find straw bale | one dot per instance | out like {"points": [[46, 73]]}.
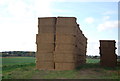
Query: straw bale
{"points": [[109, 62], [45, 47], [45, 38], [46, 26], [65, 66], [66, 30], [61, 38], [66, 52], [47, 21], [44, 56], [65, 58], [46, 29], [82, 52], [66, 21], [107, 43], [45, 65], [81, 63], [107, 50], [81, 46], [81, 60], [67, 26], [108, 54], [65, 47]]}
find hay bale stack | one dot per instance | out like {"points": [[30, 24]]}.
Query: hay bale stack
{"points": [[70, 43], [108, 56], [61, 45], [45, 43]]}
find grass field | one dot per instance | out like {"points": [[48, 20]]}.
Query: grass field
{"points": [[17, 60], [24, 68]]}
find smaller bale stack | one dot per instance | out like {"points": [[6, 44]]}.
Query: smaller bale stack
{"points": [[108, 56], [45, 43]]}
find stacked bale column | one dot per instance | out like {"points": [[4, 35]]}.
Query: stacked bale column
{"points": [[82, 46], [67, 49], [107, 53], [45, 43]]}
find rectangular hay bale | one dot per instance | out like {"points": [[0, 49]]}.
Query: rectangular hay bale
{"points": [[65, 66], [66, 52], [107, 43], [66, 30], [81, 63], [64, 38], [45, 47], [45, 38], [47, 20], [112, 62], [45, 65], [46, 29], [107, 51], [65, 57], [44, 56], [65, 47], [66, 21]]}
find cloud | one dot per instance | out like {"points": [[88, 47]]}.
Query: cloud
{"points": [[23, 8], [107, 25], [18, 22], [109, 12], [60, 10], [89, 20], [87, 0], [43, 8], [93, 48], [17, 25], [17, 36], [106, 18]]}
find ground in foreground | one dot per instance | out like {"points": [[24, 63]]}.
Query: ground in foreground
{"points": [[26, 70]]}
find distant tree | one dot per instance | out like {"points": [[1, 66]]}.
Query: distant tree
{"points": [[18, 53], [95, 57]]}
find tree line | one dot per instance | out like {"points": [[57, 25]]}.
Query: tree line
{"points": [[18, 53]]}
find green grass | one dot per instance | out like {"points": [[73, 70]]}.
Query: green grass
{"points": [[24, 68], [93, 60], [17, 60], [16, 64], [0, 68]]}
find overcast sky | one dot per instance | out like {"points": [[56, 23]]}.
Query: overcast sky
{"points": [[18, 21]]}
